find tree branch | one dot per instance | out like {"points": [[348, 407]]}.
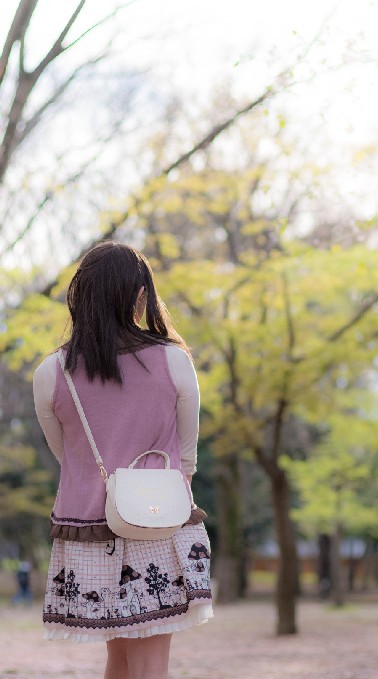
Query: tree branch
{"points": [[100, 23], [57, 47], [49, 195], [230, 358], [201, 145], [16, 32], [24, 87], [27, 81], [25, 84], [289, 317], [357, 316], [34, 120], [21, 59], [282, 403], [29, 223], [278, 425], [218, 129]]}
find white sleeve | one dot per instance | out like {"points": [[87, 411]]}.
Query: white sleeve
{"points": [[43, 388], [187, 409]]}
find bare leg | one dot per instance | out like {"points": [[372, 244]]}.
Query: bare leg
{"points": [[116, 666], [148, 658]]}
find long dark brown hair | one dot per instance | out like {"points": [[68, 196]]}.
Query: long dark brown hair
{"points": [[102, 299]]}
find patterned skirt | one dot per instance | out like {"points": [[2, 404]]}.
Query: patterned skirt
{"points": [[97, 591]]}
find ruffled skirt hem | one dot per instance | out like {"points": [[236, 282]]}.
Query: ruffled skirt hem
{"points": [[196, 615]]}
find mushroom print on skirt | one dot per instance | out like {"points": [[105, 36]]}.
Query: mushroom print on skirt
{"points": [[59, 580], [199, 569], [130, 598], [133, 588]]}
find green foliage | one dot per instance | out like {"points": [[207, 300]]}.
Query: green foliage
{"points": [[273, 337], [25, 489], [34, 329], [337, 485]]}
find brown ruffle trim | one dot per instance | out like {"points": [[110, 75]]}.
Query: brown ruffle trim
{"points": [[103, 533], [82, 534]]}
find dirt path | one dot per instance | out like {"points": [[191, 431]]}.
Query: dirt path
{"points": [[237, 644]]}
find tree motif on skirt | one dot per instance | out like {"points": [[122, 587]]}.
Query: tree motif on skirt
{"points": [[72, 591], [157, 583]]}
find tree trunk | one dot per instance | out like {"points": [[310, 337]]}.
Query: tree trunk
{"points": [[336, 571], [367, 565], [230, 543], [324, 566], [375, 561], [288, 567], [352, 567]]}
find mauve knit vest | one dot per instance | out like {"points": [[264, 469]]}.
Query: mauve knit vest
{"points": [[125, 421]]}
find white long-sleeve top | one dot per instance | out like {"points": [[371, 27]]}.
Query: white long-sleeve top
{"points": [[187, 408]]}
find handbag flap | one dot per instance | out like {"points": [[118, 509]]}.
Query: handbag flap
{"points": [[155, 498]]}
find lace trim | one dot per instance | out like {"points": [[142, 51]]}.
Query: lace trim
{"points": [[104, 623], [198, 614], [73, 520]]}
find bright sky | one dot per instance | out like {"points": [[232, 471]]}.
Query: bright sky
{"points": [[206, 38], [194, 45], [246, 42]]}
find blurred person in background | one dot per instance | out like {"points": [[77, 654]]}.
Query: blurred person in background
{"points": [[23, 582]]}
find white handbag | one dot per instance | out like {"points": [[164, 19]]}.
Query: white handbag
{"points": [[141, 504]]}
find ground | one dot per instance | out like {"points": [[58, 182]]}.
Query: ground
{"points": [[238, 644]]}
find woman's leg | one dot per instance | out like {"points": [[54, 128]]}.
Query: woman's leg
{"points": [[148, 658], [116, 666]]}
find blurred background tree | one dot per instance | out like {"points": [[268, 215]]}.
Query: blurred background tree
{"points": [[337, 484]]}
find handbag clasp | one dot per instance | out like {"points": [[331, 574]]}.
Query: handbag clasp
{"points": [[103, 471]]}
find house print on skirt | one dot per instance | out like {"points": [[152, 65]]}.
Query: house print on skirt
{"points": [[97, 591]]}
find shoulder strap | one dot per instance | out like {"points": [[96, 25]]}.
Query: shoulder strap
{"points": [[84, 420]]}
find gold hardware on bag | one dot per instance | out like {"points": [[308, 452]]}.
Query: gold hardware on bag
{"points": [[103, 471]]}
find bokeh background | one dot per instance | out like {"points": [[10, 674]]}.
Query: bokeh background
{"points": [[235, 143]]}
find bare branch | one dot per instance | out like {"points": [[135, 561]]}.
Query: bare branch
{"points": [[34, 120], [16, 32], [29, 223], [218, 129], [202, 144], [25, 84], [101, 22], [21, 59], [49, 195], [57, 47], [269, 92]]}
